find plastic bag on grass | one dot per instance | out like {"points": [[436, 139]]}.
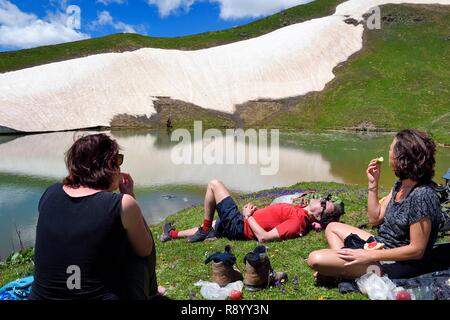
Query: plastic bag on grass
{"points": [[376, 287], [287, 198], [212, 291]]}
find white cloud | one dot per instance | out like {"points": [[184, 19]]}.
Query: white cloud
{"points": [[167, 7], [104, 18], [123, 27], [108, 2], [229, 9], [20, 30], [238, 9]]}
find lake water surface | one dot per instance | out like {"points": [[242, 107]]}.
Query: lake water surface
{"points": [[30, 163]]}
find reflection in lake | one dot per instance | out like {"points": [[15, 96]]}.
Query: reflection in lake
{"points": [[28, 164], [148, 159]]}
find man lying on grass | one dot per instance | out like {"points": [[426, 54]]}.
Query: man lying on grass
{"points": [[279, 221]]}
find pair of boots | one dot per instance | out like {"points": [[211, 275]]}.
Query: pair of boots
{"points": [[259, 273]]}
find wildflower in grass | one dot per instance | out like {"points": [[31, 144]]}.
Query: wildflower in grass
{"points": [[277, 284], [192, 295], [283, 290]]}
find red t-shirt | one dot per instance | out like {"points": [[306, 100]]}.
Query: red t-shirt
{"points": [[289, 219]]}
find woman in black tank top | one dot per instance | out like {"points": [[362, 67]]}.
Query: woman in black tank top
{"points": [[92, 243]]}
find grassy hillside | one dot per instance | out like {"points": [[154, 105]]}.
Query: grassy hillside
{"points": [[180, 264], [400, 79], [17, 60]]}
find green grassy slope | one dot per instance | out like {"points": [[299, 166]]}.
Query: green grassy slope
{"points": [[400, 79], [180, 264], [289, 256], [17, 60]]}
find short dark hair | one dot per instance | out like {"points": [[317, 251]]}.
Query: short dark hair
{"points": [[92, 162], [414, 154], [333, 216]]}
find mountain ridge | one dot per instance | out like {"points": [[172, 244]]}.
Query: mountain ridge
{"points": [[381, 90]]}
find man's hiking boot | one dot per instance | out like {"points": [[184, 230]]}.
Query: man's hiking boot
{"points": [[202, 235], [165, 236], [259, 272], [224, 270], [211, 235]]}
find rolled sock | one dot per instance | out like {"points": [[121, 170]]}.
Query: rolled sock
{"points": [[173, 234], [207, 225]]}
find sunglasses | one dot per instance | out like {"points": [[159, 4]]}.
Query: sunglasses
{"points": [[323, 203], [119, 159]]}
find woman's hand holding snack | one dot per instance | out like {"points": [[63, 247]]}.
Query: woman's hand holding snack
{"points": [[373, 173], [126, 185]]}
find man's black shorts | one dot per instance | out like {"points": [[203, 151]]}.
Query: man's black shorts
{"points": [[231, 222]]}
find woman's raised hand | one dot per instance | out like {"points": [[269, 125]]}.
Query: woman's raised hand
{"points": [[126, 185], [373, 173]]}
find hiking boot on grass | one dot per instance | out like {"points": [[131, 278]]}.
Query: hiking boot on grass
{"points": [[259, 273], [165, 236], [223, 274], [211, 235], [224, 270], [202, 235], [277, 278]]}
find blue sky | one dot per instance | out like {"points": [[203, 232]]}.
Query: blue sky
{"points": [[32, 23]]}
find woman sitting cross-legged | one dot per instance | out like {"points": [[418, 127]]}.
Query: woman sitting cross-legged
{"points": [[408, 219], [92, 243]]}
